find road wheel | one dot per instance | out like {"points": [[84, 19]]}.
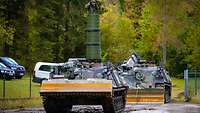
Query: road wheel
{"points": [[118, 104], [115, 105], [53, 105], [108, 106]]}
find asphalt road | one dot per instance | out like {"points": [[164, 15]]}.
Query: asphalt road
{"points": [[148, 108]]}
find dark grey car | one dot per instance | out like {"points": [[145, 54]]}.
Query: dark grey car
{"points": [[6, 72]]}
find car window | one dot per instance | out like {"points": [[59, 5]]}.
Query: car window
{"points": [[2, 65], [13, 61], [45, 68], [7, 61]]}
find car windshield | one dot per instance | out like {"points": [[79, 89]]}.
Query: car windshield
{"points": [[14, 62], [2, 65], [9, 60]]}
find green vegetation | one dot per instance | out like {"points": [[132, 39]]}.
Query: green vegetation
{"points": [[54, 30], [17, 94], [178, 92], [19, 88], [194, 88], [20, 103], [146, 32]]}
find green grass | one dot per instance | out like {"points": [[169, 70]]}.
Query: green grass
{"points": [[17, 89], [20, 103], [194, 83], [178, 92]]}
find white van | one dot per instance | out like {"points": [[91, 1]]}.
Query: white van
{"points": [[44, 70]]}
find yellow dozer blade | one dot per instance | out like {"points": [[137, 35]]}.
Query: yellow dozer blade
{"points": [[77, 86], [143, 96]]}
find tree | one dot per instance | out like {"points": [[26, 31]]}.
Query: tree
{"points": [[117, 35], [6, 36]]}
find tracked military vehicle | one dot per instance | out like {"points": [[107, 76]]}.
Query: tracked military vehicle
{"points": [[86, 82], [147, 82]]}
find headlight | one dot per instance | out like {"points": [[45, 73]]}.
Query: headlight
{"points": [[2, 71]]}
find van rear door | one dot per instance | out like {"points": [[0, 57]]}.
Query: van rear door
{"points": [[43, 72]]}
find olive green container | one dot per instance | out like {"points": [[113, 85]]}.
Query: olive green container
{"points": [[93, 50]]}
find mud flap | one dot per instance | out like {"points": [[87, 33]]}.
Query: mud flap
{"points": [[142, 96]]}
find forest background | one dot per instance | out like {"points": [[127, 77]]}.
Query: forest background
{"points": [[54, 30]]}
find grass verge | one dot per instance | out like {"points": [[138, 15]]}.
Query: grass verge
{"points": [[17, 92], [178, 92]]}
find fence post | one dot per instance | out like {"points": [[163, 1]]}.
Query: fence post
{"points": [[4, 87], [195, 82], [4, 91], [186, 85], [30, 87]]}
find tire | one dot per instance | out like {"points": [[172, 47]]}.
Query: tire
{"points": [[53, 105], [7, 78], [18, 77]]}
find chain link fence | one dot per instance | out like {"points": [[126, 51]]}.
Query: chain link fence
{"points": [[192, 83], [19, 93], [16, 88]]}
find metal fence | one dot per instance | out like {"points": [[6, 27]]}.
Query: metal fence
{"points": [[16, 88], [192, 83]]}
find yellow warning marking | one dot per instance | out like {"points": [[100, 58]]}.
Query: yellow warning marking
{"points": [[145, 99], [83, 86], [77, 85]]}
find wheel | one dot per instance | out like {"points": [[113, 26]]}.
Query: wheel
{"points": [[7, 78], [167, 95], [114, 105], [18, 77], [118, 104], [53, 105], [108, 107]]}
